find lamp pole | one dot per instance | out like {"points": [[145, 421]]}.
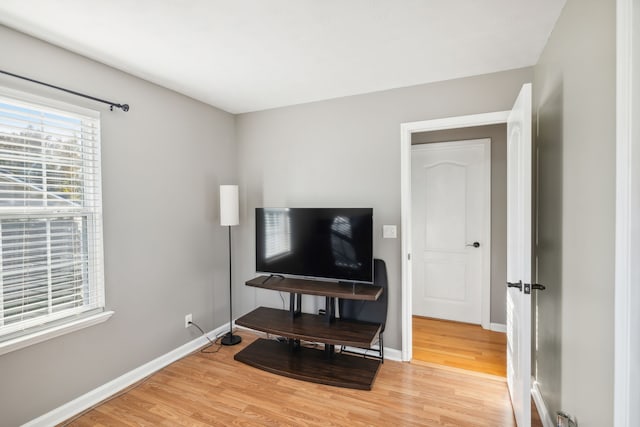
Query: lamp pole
{"points": [[229, 215]]}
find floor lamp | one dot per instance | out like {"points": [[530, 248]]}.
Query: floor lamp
{"points": [[229, 215]]}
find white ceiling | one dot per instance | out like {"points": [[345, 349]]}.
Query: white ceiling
{"points": [[248, 55]]}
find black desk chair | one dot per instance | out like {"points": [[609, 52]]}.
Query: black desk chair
{"points": [[370, 311]]}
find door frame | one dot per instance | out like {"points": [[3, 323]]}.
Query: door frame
{"points": [[485, 263], [406, 130], [626, 387]]}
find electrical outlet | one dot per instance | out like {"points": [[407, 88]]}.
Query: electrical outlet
{"points": [[187, 320]]}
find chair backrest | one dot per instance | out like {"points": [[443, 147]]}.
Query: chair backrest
{"points": [[369, 311]]}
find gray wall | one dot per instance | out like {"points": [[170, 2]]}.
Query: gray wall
{"points": [[574, 96], [346, 152], [165, 254], [498, 135]]}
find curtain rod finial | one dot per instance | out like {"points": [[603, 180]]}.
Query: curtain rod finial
{"points": [[123, 107]]}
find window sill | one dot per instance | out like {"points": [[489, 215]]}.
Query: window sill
{"points": [[55, 331]]}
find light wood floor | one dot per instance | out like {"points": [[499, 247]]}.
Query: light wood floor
{"points": [[459, 345], [462, 346], [213, 389]]}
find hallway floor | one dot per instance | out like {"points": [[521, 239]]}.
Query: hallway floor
{"points": [[459, 345]]}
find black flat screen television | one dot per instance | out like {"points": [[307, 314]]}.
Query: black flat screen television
{"points": [[326, 243]]}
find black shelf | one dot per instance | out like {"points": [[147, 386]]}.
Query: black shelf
{"points": [[309, 364], [355, 291], [310, 327]]}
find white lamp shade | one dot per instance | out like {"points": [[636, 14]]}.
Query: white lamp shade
{"points": [[229, 205]]}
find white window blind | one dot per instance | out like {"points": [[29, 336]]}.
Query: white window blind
{"points": [[51, 264], [277, 233]]}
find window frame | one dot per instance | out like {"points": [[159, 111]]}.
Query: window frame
{"points": [[34, 330]]}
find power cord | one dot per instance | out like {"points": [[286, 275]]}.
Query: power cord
{"points": [[212, 343]]}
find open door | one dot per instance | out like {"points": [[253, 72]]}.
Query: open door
{"points": [[519, 237]]}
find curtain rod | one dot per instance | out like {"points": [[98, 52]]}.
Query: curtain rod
{"points": [[123, 107]]}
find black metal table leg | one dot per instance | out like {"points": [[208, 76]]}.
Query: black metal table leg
{"points": [[330, 309], [295, 305]]}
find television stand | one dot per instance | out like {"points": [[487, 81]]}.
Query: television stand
{"points": [[296, 361]]}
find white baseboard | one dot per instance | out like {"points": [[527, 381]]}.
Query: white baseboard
{"points": [[97, 395], [498, 327], [393, 354], [545, 417]]}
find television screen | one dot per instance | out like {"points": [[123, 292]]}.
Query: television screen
{"points": [[330, 243]]}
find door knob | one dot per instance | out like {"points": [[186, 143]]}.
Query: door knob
{"points": [[517, 284], [474, 244]]}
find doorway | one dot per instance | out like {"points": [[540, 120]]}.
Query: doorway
{"points": [[453, 266], [409, 132]]}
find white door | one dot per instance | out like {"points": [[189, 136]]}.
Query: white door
{"points": [[519, 256], [450, 197]]}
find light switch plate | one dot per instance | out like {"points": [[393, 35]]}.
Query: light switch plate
{"points": [[389, 232]]}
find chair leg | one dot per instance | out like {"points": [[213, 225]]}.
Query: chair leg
{"points": [[381, 348]]}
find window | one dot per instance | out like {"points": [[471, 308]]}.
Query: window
{"points": [[51, 264], [278, 233]]}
